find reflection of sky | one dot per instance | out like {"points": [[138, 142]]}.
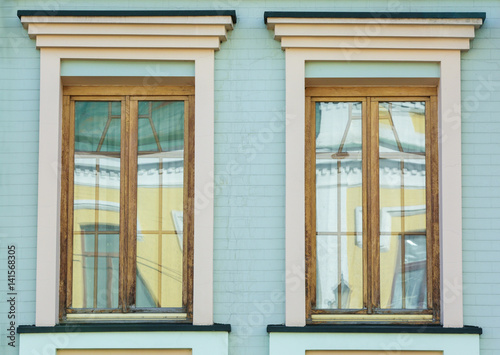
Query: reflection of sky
{"points": [[331, 123], [332, 119]]}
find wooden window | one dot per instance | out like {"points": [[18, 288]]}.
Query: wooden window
{"points": [[372, 243], [127, 203]]}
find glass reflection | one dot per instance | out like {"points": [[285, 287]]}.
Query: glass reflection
{"points": [[96, 205], [160, 201], [402, 184], [339, 259]]}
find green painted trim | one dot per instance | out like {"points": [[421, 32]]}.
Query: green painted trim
{"points": [[231, 13], [127, 68], [372, 70], [388, 15]]}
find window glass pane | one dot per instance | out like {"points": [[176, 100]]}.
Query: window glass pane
{"points": [[83, 271], [402, 184], [161, 125], [339, 273], [338, 201], [402, 126], [107, 271], [160, 201], [97, 126], [96, 205], [404, 280]]}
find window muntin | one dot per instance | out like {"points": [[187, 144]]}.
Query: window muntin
{"points": [[363, 152], [129, 161]]}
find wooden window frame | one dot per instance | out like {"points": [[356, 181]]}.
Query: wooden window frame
{"points": [[371, 312], [129, 96]]}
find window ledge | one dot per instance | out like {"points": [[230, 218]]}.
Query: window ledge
{"points": [[129, 327], [374, 328]]}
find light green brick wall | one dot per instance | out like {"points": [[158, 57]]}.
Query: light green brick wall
{"points": [[249, 272]]}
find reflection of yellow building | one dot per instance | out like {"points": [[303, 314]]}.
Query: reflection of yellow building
{"points": [[402, 194], [159, 259], [159, 240], [97, 210]]}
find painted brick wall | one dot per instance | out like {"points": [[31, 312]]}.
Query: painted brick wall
{"points": [[249, 268]]}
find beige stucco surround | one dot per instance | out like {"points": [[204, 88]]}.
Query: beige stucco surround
{"points": [[376, 40], [168, 38]]}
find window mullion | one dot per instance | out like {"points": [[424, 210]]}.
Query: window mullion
{"points": [[188, 205], [373, 206], [310, 195], [123, 205], [67, 182], [365, 198], [131, 200], [433, 212]]}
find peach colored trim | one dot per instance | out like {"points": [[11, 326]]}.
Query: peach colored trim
{"points": [[450, 203], [49, 189], [130, 48], [128, 32], [450, 171], [105, 41], [204, 189], [373, 30], [332, 39], [124, 29], [374, 33], [377, 43], [295, 190]]}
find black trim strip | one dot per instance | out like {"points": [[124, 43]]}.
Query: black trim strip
{"points": [[400, 15], [374, 328], [115, 13], [123, 327]]}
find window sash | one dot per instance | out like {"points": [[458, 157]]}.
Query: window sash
{"points": [[128, 197], [370, 205]]}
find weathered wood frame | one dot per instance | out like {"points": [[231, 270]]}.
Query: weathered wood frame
{"points": [[370, 97], [129, 97]]}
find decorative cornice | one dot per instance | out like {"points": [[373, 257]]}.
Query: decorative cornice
{"points": [[366, 30], [128, 29]]}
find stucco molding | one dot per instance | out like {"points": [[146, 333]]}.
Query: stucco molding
{"points": [[375, 31], [376, 38], [128, 31], [177, 38]]}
